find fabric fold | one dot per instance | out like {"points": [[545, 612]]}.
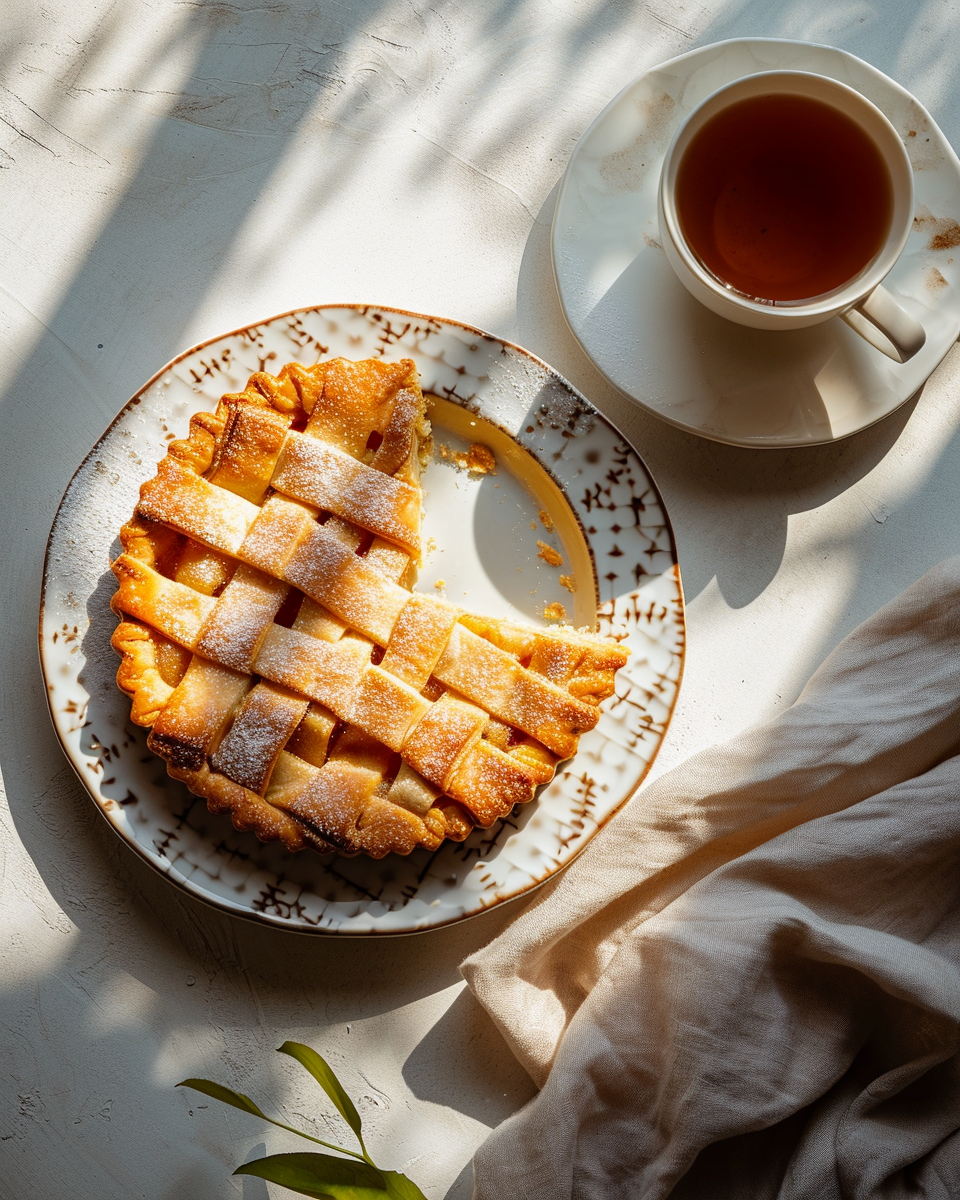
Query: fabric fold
{"points": [[748, 985]]}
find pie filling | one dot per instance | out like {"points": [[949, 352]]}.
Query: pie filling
{"points": [[270, 640]]}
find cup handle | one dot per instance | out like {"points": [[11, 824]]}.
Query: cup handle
{"points": [[883, 323]]}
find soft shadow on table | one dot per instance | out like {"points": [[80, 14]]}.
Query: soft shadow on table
{"points": [[464, 1032], [330, 979], [873, 32], [220, 994], [192, 1180], [732, 504]]}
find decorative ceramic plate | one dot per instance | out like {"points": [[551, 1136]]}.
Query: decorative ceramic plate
{"points": [[653, 341], [564, 476]]}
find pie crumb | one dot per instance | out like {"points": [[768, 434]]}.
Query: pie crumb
{"points": [[546, 520], [441, 583], [555, 611], [478, 460], [568, 582], [553, 558]]}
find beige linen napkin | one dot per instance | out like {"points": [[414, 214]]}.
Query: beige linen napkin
{"points": [[749, 985]]}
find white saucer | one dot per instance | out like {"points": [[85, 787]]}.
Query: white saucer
{"points": [[658, 345]]}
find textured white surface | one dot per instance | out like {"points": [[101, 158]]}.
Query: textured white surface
{"points": [[171, 170]]}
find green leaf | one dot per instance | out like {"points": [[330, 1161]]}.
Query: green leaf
{"points": [[328, 1081], [227, 1095], [245, 1104], [399, 1187], [320, 1175]]}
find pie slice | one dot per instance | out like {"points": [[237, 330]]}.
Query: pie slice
{"points": [[271, 641]]}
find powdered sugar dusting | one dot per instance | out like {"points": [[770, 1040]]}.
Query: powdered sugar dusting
{"points": [[517, 394]]}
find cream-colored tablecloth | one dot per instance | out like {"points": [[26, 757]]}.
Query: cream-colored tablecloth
{"points": [[749, 984]]}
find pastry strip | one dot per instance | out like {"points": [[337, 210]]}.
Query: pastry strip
{"points": [[272, 640]]}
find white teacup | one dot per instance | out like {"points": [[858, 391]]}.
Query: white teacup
{"points": [[860, 300]]}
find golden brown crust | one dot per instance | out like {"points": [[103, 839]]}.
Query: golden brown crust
{"points": [[246, 809], [139, 675], [289, 676]]}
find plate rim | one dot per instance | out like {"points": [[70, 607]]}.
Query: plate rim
{"points": [[565, 182], [224, 904]]}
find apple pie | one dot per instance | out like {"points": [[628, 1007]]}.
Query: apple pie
{"points": [[272, 643]]}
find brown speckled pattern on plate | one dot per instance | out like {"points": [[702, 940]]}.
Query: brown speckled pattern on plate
{"points": [[615, 511]]}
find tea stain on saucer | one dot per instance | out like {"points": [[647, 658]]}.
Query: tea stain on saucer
{"points": [[933, 280], [944, 231], [922, 149]]}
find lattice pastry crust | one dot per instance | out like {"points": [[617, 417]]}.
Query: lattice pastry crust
{"points": [[270, 638]]}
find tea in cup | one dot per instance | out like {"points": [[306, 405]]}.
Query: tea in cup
{"points": [[785, 198]]}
